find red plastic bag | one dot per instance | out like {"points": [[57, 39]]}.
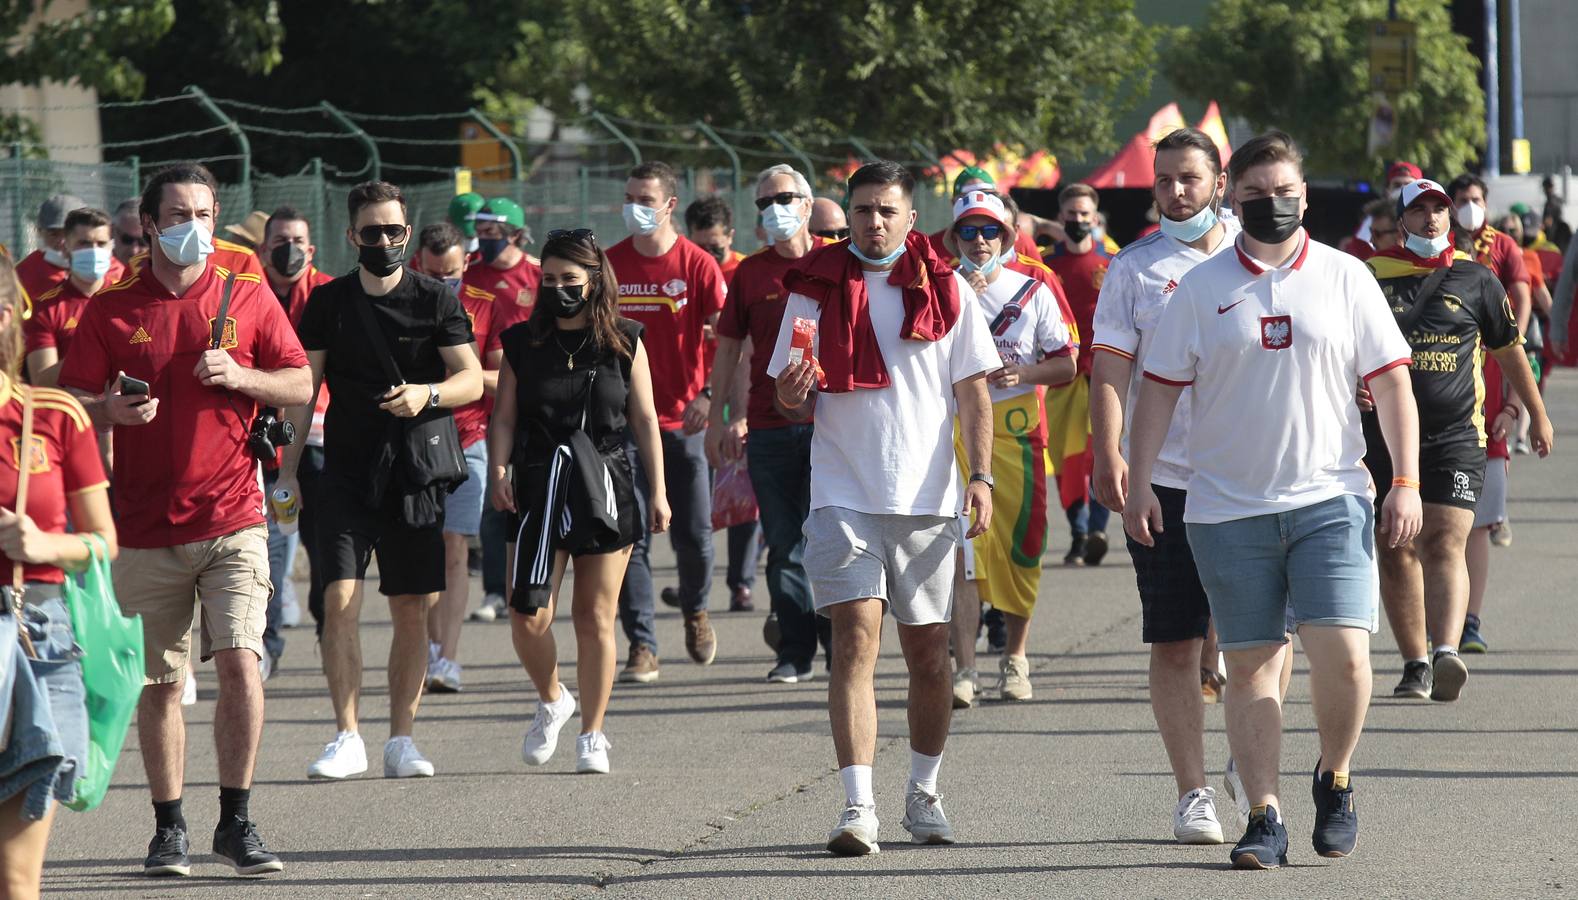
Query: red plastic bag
{"points": [[733, 498]]}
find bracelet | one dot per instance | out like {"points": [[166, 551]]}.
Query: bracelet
{"points": [[1406, 482]]}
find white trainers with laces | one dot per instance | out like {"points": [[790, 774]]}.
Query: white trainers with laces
{"points": [[1194, 821], [403, 760], [1235, 789], [965, 686], [443, 677], [1013, 679], [591, 753], [924, 818], [856, 832], [342, 757], [491, 610], [543, 735], [289, 610]]}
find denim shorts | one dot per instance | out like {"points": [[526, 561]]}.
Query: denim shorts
{"points": [[1309, 566], [44, 700], [463, 508]]}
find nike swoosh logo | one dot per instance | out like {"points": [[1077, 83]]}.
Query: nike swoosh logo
{"points": [[1222, 310]]}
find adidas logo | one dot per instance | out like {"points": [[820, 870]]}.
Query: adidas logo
{"points": [[1171, 286], [140, 337]]}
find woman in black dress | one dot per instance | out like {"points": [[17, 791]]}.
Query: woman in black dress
{"points": [[573, 366]]}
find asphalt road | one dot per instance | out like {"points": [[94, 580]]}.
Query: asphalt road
{"points": [[724, 786]]}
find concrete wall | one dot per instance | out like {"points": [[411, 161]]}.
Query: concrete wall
{"points": [[66, 114]]}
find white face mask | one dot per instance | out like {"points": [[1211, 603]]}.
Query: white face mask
{"points": [[640, 219], [57, 258], [1471, 216], [781, 222], [186, 244]]}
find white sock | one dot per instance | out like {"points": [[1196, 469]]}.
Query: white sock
{"points": [[857, 786], [923, 770]]}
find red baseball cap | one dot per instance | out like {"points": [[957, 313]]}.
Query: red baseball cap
{"points": [[1401, 169]]}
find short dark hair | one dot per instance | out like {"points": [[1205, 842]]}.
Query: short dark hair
{"points": [[87, 217], [709, 212], [1271, 147], [439, 237], [1192, 139], [662, 171], [883, 173], [369, 192], [1078, 189], [179, 173], [1464, 182], [283, 213]]}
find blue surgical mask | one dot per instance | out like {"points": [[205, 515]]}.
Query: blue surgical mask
{"points": [[968, 265], [640, 219], [186, 244], [90, 263], [453, 284], [1427, 248], [884, 261], [1193, 228], [781, 222], [1010, 255]]}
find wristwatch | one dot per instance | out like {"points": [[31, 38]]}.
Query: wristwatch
{"points": [[985, 479], [432, 396], [706, 391]]}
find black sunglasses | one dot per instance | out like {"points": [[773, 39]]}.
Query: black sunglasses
{"points": [[369, 234], [131, 241], [782, 199], [833, 234], [969, 232], [579, 235]]}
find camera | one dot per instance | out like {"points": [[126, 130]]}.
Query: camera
{"points": [[268, 434]]}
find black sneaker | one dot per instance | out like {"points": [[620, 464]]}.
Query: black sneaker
{"points": [[167, 853], [1336, 821], [1416, 681], [1095, 548], [670, 597], [1264, 844], [1449, 673], [238, 842], [789, 673], [1076, 552]]}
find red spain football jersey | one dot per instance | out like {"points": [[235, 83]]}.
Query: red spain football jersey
{"points": [[39, 276], [481, 306], [64, 460], [56, 314]]}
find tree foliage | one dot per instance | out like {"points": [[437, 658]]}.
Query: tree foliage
{"points": [[1304, 67], [1033, 73]]}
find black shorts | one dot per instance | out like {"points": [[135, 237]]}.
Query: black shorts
{"points": [[531, 484], [410, 560], [1451, 472], [1173, 605]]}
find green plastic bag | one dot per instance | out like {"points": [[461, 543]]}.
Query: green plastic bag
{"points": [[112, 669]]}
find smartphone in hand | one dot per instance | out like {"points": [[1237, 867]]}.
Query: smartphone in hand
{"points": [[130, 385]]}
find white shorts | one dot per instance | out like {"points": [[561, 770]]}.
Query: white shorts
{"points": [[905, 561], [1491, 509]]}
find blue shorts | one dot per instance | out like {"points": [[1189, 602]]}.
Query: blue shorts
{"points": [[1310, 566], [463, 508], [45, 702]]}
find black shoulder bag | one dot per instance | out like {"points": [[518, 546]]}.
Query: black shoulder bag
{"points": [[1427, 289], [429, 457]]}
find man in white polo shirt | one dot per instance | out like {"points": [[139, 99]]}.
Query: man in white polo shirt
{"points": [[1272, 338], [899, 347]]}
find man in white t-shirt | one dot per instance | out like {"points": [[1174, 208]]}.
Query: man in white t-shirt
{"points": [[899, 348], [1272, 338]]}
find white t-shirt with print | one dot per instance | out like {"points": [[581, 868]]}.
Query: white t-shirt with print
{"points": [[1024, 322], [1273, 356], [1140, 281], [889, 451]]}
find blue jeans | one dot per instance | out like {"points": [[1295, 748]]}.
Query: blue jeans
{"points": [[744, 546], [43, 702], [779, 462], [1087, 517], [689, 482]]}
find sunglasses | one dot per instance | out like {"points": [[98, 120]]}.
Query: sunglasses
{"points": [[369, 234], [971, 232], [783, 199], [130, 241], [833, 234], [579, 235]]}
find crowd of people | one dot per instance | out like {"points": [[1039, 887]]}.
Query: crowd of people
{"points": [[1296, 437]]}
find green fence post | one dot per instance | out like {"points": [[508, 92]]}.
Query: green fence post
{"points": [[134, 165], [517, 166], [810, 169], [242, 143], [375, 165], [619, 136], [319, 202], [734, 158], [863, 150]]}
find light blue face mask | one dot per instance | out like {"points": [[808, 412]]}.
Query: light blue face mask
{"points": [[1193, 228], [1427, 248], [781, 222], [453, 284], [1009, 255], [640, 219], [90, 263], [187, 243], [57, 258], [884, 261], [968, 265]]}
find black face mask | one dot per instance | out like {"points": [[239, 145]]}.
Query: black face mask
{"points": [[565, 301], [1270, 220], [1076, 231], [287, 259], [381, 261]]}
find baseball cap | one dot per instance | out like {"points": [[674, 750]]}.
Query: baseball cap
{"points": [[503, 209], [1401, 169], [980, 203], [1519, 209], [1422, 187], [463, 211], [52, 214], [971, 177]]}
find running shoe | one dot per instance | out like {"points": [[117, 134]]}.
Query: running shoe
{"points": [[290, 610], [238, 843], [856, 832], [491, 610], [342, 757], [543, 735], [1264, 844], [1076, 552], [266, 667], [1211, 685], [443, 677], [1473, 641], [788, 673], [701, 642], [1095, 548], [403, 760], [964, 688], [1449, 672], [1234, 785], [591, 753], [1416, 683], [1194, 819], [924, 818], [1013, 678], [740, 600], [1336, 821], [189, 690], [641, 667], [167, 853], [1501, 534]]}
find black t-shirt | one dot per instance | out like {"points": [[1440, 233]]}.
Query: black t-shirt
{"points": [[550, 395], [417, 318], [1468, 313]]}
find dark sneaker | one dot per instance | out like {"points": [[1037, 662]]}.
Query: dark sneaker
{"points": [[1076, 552], [787, 673], [1336, 821], [701, 642], [1450, 673], [670, 597], [1416, 681], [238, 842], [1473, 641], [642, 667], [740, 600], [167, 853], [1095, 548], [996, 631], [1264, 844], [772, 636]]}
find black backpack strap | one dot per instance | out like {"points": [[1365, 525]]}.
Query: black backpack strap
{"points": [[380, 344], [217, 339], [1426, 291]]}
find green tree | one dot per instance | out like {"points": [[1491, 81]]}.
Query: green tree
{"points": [[1304, 67], [1031, 73]]}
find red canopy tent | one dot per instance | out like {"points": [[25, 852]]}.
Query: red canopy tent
{"points": [[1133, 166]]}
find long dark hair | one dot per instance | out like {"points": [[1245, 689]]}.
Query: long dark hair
{"points": [[581, 248]]}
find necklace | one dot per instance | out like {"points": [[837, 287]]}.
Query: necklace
{"points": [[570, 354]]}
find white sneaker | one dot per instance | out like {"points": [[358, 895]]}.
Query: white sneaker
{"points": [[443, 677], [856, 832], [342, 757], [189, 690], [1013, 679], [1194, 821], [435, 653], [289, 610], [491, 610], [265, 667], [964, 688], [924, 818], [403, 760], [591, 754], [543, 735], [1235, 789]]}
